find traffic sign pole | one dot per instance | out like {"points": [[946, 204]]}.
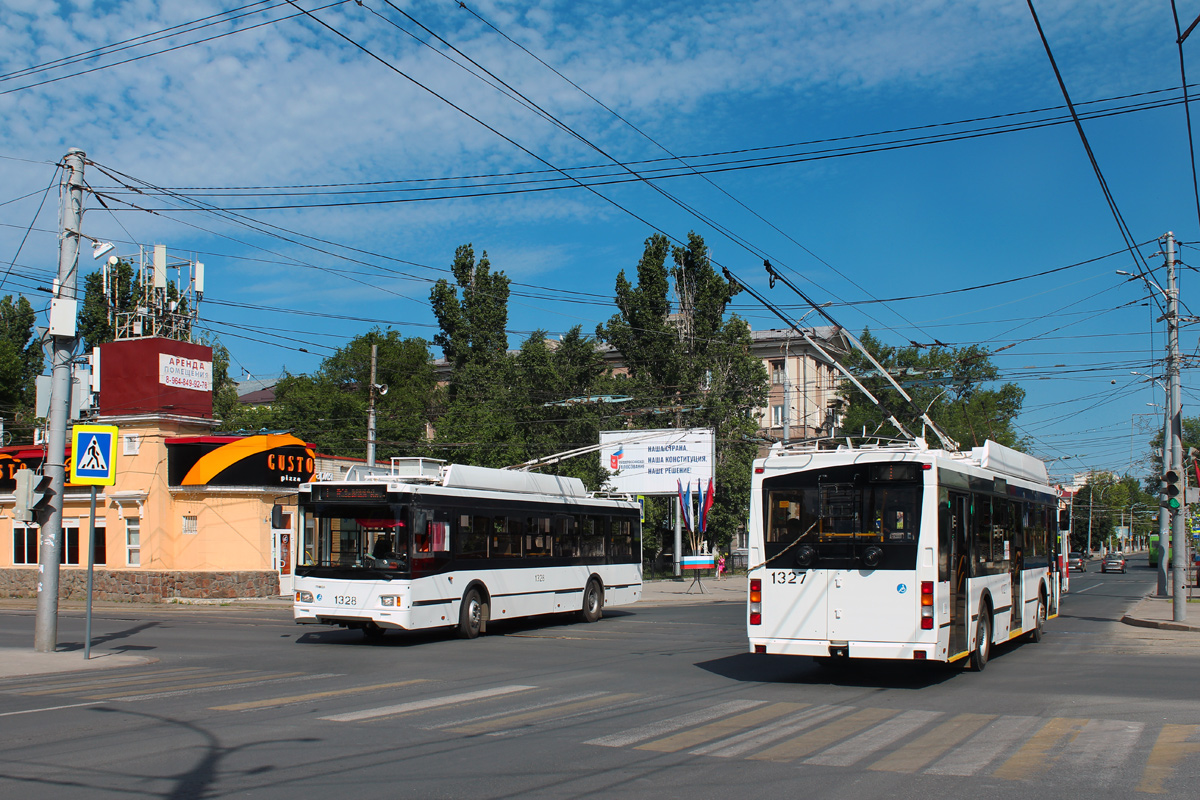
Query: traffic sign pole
{"points": [[91, 548], [93, 463]]}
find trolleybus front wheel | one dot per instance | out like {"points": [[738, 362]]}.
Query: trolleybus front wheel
{"points": [[1035, 635], [470, 615]]}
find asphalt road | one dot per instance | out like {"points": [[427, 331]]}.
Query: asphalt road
{"points": [[652, 701]]}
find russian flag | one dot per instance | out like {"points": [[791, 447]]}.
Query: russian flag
{"points": [[685, 504], [708, 503]]}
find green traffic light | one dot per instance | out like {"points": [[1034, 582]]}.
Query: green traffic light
{"points": [[1173, 503]]}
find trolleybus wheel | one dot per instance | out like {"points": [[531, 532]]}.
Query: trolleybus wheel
{"points": [[593, 603], [1035, 635], [470, 615], [983, 641], [373, 631]]}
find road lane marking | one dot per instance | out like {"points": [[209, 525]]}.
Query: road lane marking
{"points": [[924, 749], [772, 732], [873, 740], [300, 698], [422, 705], [510, 722], [985, 747], [1041, 751], [51, 708], [816, 740], [665, 726], [1088, 589], [1174, 742], [721, 728]]}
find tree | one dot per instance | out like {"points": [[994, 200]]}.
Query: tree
{"points": [[694, 364], [21, 362], [1105, 502], [329, 408], [948, 381]]}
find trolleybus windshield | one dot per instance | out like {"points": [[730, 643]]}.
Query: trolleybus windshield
{"points": [[344, 540], [840, 510]]}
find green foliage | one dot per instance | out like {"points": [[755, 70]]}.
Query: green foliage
{"points": [[329, 408], [952, 382], [97, 313], [21, 362], [693, 368], [1105, 502]]}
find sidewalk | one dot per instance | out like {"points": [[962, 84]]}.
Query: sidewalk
{"points": [[1158, 612]]}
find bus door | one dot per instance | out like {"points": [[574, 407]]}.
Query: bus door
{"points": [[959, 570]]}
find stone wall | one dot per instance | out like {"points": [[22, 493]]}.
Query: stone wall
{"points": [[149, 586]]}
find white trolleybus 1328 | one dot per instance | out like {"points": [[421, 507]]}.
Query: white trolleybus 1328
{"points": [[424, 545], [900, 552]]}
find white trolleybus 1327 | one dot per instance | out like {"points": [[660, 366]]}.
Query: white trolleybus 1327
{"points": [[900, 552], [424, 545]]}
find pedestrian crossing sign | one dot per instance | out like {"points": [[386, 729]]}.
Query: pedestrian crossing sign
{"points": [[94, 455]]}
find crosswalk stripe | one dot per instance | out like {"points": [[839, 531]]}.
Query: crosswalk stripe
{"points": [[146, 680], [474, 718], [876, 738], [76, 682], [920, 751], [1037, 755], [1173, 743], [721, 728], [422, 705], [300, 698], [187, 687], [772, 732], [665, 726], [562, 710], [981, 750], [814, 741], [1101, 749]]}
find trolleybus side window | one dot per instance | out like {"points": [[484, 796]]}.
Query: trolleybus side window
{"points": [[591, 536], [538, 541], [506, 537], [622, 550], [472, 539]]}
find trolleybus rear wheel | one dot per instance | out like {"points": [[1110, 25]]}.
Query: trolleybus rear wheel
{"points": [[983, 641], [1039, 617], [593, 603]]}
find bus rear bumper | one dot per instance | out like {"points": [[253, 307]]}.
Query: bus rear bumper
{"points": [[904, 651]]}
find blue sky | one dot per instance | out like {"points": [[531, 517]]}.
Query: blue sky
{"points": [[291, 103]]}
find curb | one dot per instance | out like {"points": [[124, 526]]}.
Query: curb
{"points": [[1160, 625]]}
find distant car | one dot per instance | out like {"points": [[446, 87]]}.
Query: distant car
{"points": [[1076, 562], [1113, 562]]}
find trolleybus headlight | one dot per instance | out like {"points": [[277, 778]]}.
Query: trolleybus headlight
{"points": [[872, 556], [927, 605], [805, 554], [303, 597], [755, 601], [389, 600]]}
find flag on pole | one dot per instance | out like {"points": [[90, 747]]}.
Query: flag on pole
{"points": [[708, 503], [685, 504]]}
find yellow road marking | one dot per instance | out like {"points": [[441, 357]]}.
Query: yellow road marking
{"points": [[1035, 756], [826, 735], [518, 719], [1172, 745], [300, 698], [924, 749], [721, 728], [185, 687], [97, 683]]}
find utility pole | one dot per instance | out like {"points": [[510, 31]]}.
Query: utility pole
{"points": [[1164, 514], [63, 313], [371, 411], [1174, 408]]}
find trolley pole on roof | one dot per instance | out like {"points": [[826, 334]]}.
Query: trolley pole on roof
{"points": [[63, 313]]}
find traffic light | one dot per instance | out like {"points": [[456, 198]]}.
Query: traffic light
{"points": [[1171, 490], [32, 495], [21, 508]]}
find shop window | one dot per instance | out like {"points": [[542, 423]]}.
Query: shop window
{"points": [[133, 541], [25, 545]]}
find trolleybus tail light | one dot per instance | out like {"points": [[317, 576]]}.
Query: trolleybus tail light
{"points": [[926, 607], [918, 655], [303, 597], [755, 601]]}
